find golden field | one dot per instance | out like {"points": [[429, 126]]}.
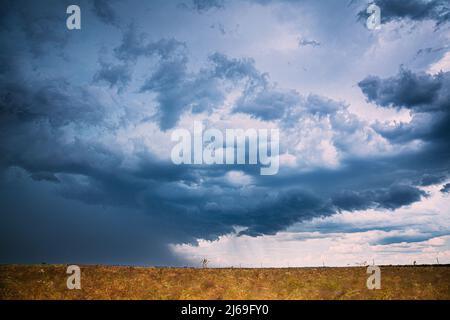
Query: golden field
{"points": [[119, 282]]}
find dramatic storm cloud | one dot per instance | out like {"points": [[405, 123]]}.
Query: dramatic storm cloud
{"points": [[87, 115], [428, 98]]}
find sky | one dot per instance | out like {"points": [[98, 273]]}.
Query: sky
{"points": [[86, 118]]}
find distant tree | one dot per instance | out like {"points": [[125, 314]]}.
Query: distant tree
{"points": [[205, 263]]}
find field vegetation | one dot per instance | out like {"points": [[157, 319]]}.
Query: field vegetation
{"points": [[121, 282]]}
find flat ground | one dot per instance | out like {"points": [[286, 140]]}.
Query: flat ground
{"points": [[113, 282]]}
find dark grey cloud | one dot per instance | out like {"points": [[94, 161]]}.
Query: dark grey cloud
{"points": [[114, 75], [431, 179], [105, 12], [42, 26], [427, 96], [135, 45], [207, 4], [49, 228], [417, 10], [178, 91], [419, 92], [446, 188], [322, 106], [403, 239], [263, 99], [237, 69], [88, 172], [267, 104], [392, 198], [202, 6], [89, 200], [173, 196], [55, 101], [45, 176]]}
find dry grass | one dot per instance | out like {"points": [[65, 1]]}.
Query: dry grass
{"points": [[113, 282]]}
